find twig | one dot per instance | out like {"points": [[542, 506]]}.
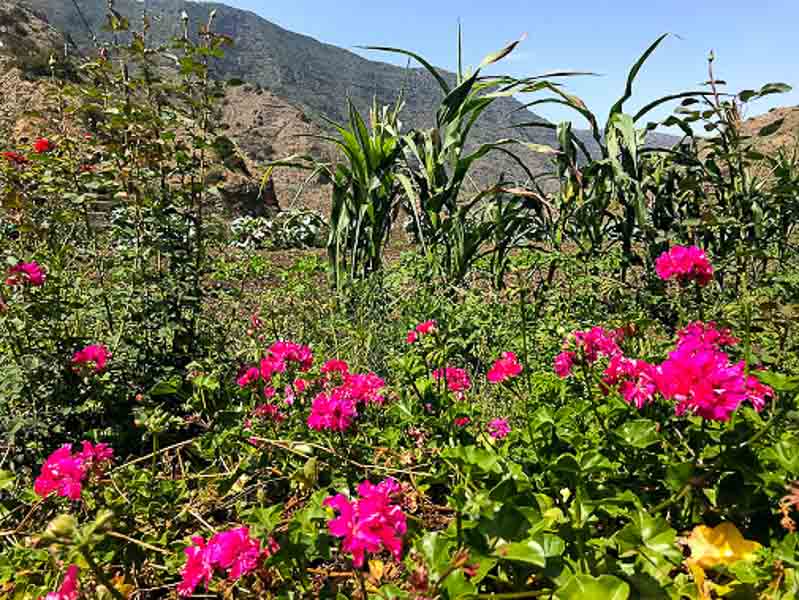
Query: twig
{"points": [[152, 454], [122, 536]]}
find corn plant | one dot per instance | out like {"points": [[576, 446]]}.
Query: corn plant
{"points": [[366, 191], [452, 229], [606, 194]]}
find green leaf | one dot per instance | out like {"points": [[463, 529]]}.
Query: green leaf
{"points": [[651, 536], [530, 552], [472, 455], [430, 68], [586, 587], [780, 383], [7, 479], [640, 433], [628, 92], [771, 128]]}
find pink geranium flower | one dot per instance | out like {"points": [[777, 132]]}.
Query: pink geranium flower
{"points": [[248, 377], [94, 357], [335, 365], [758, 393], [421, 330], [457, 379], [564, 363], [69, 587], [64, 472], [684, 264], [26, 274], [332, 411], [498, 429], [462, 421], [233, 551], [292, 352], [698, 333], [505, 368], [702, 381], [372, 523], [633, 378]]}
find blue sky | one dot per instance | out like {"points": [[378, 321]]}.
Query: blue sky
{"points": [[754, 42]]}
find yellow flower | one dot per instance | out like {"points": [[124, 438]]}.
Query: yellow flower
{"points": [[720, 545], [713, 546]]}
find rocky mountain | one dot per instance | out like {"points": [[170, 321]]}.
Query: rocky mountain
{"points": [[315, 77], [294, 82]]}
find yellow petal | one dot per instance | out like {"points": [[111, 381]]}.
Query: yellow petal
{"points": [[699, 578], [720, 545]]}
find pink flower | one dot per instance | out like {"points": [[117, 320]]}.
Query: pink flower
{"points": [[197, 568], [758, 392], [684, 264], [702, 380], [597, 342], [372, 523], [42, 145], [335, 365], [61, 473], [421, 330], [248, 377], [457, 379], [64, 472], [633, 378], [270, 365], [462, 422], [269, 412], [233, 551], [363, 388], [332, 411], [94, 357], [69, 587], [698, 333], [564, 362], [505, 368], [292, 352], [95, 457], [498, 429], [300, 385], [426, 328], [26, 274]]}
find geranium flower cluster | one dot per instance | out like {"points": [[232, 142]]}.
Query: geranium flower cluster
{"points": [[371, 523], [25, 274], [278, 357], [93, 358], [498, 429], [64, 472], [336, 407], [684, 264], [457, 380], [421, 330], [233, 551], [590, 346], [505, 368], [69, 587], [698, 375], [700, 378]]}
